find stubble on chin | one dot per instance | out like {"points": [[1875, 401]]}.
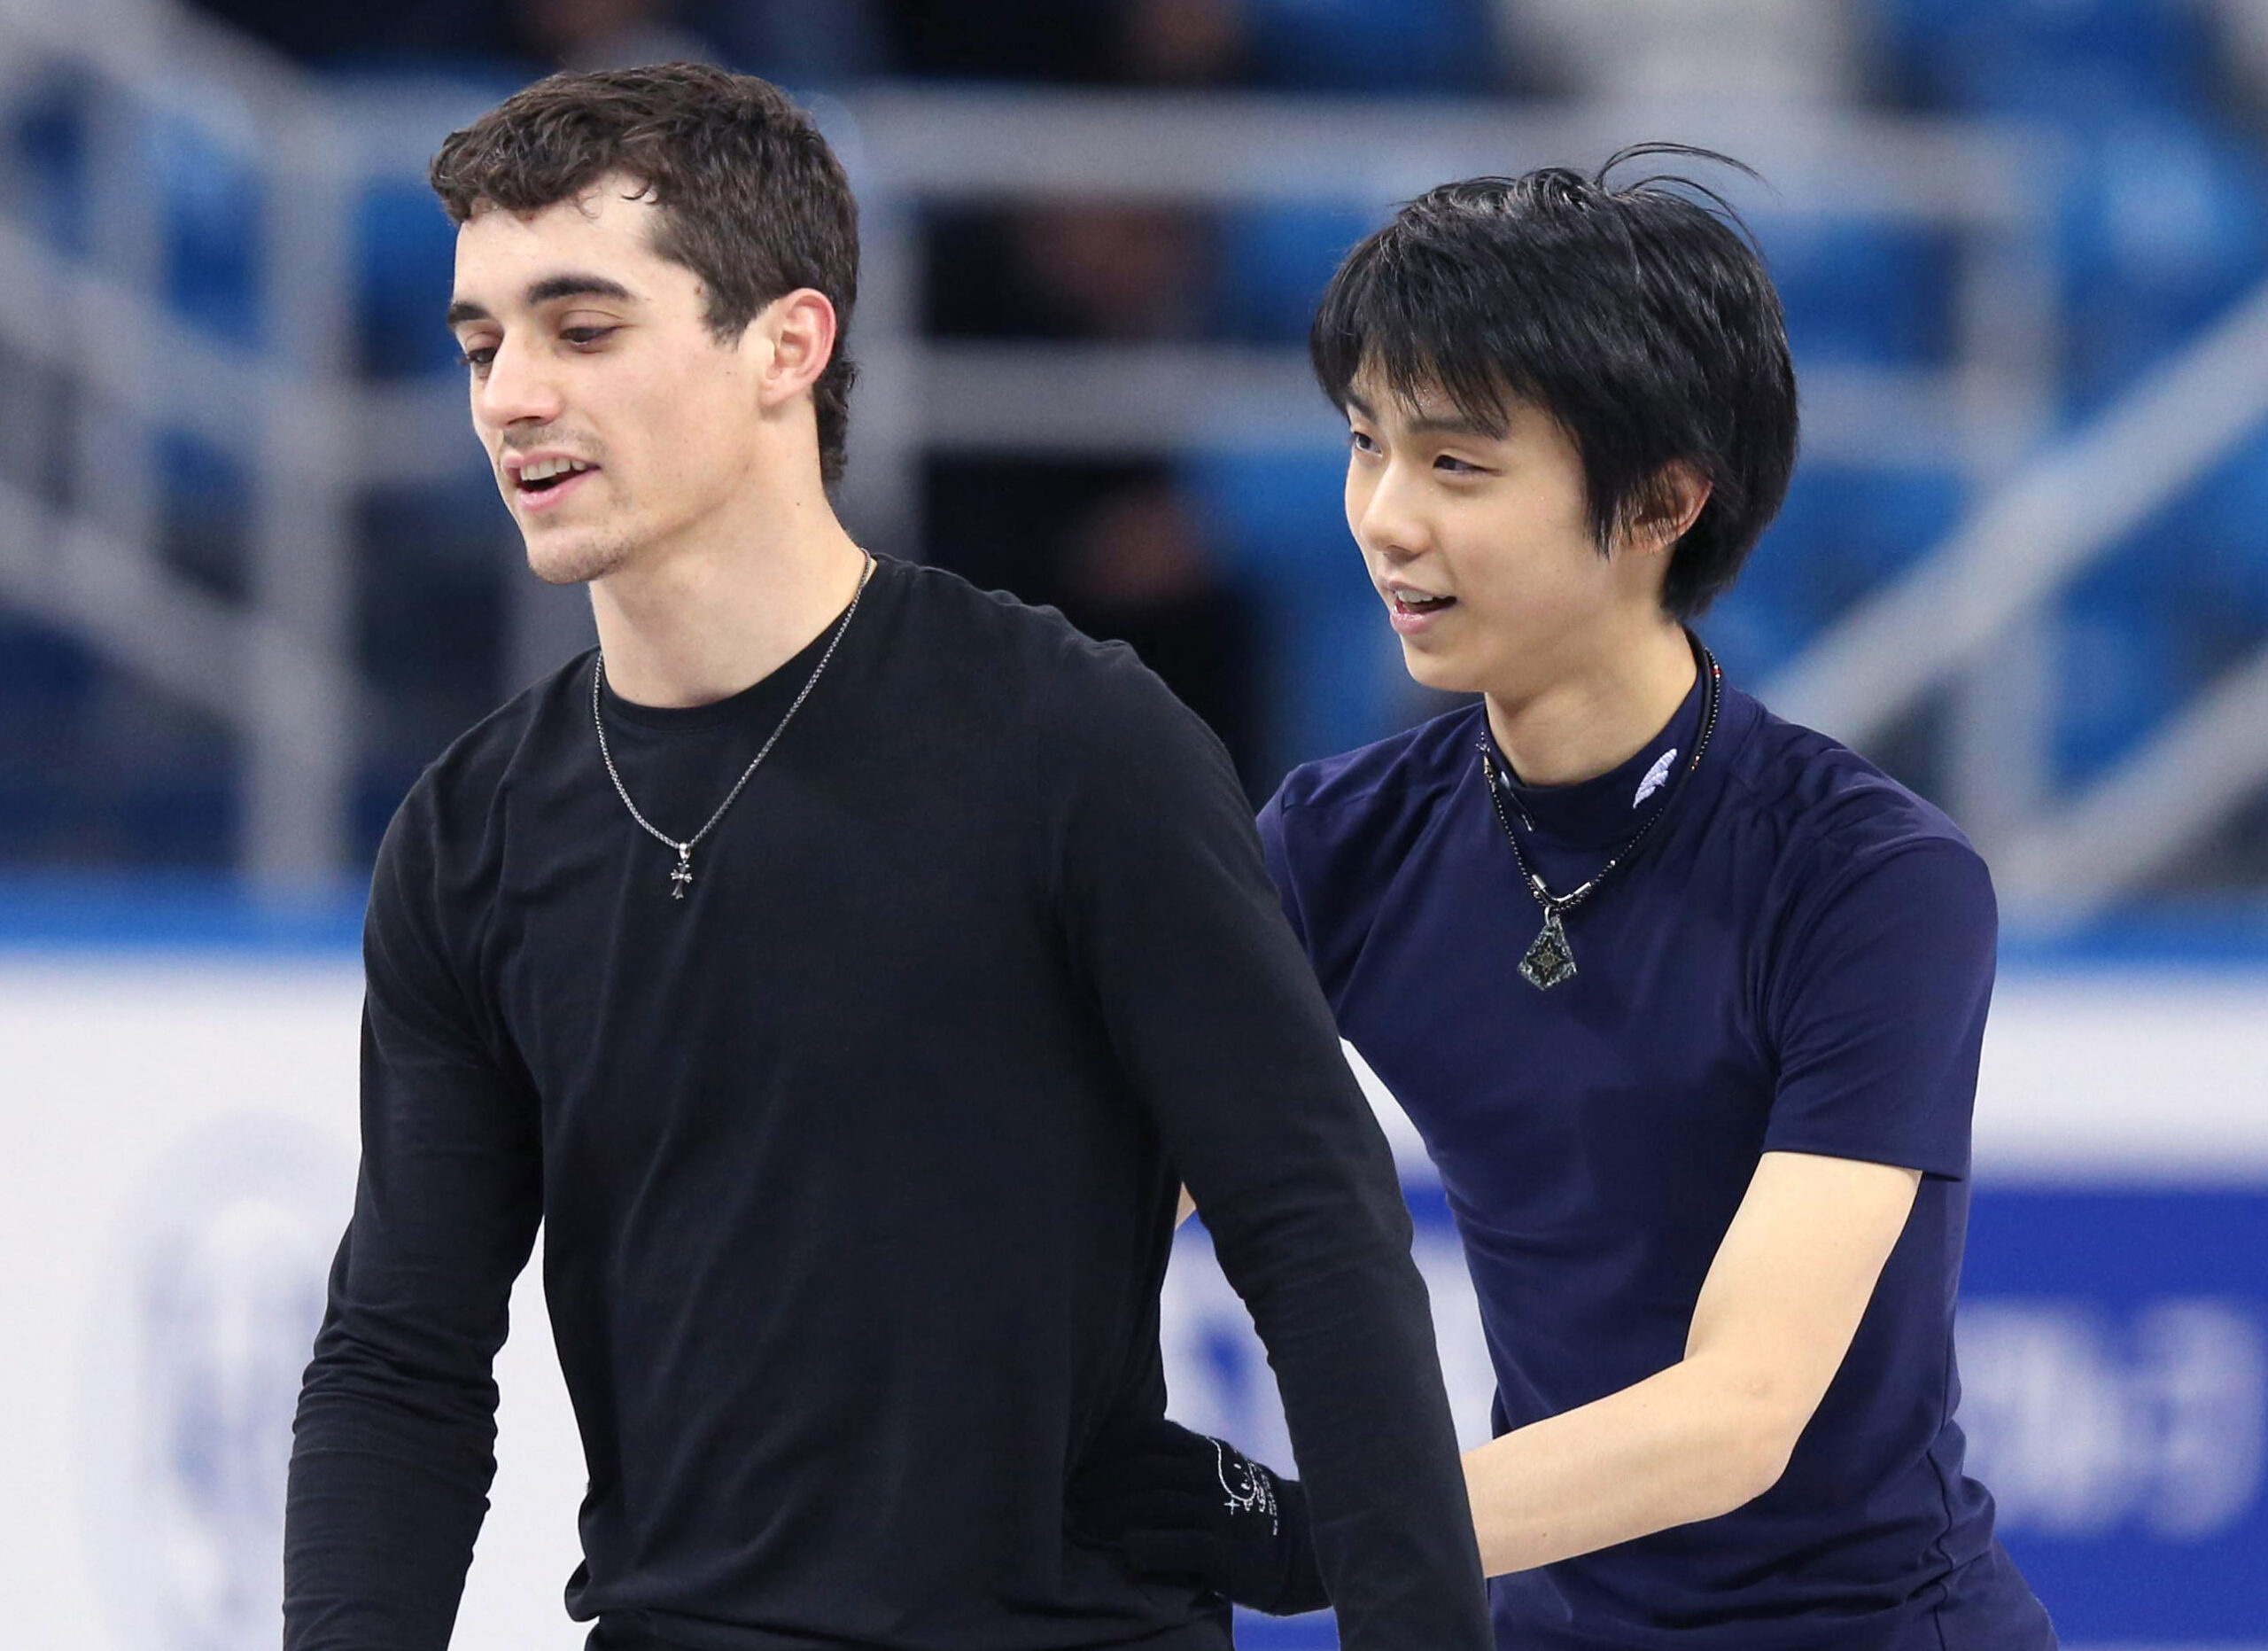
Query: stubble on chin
{"points": [[576, 563]]}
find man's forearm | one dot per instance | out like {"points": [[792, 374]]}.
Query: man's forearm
{"points": [[1775, 1320], [1687, 1444], [1351, 1339], [387, 1493]]}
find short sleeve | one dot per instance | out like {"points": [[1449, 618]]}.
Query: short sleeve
{"points": [[1277, 853], [1877, 1004], [1328, 881]]}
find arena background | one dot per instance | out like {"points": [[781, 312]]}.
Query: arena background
{"points": [[253, 575]]}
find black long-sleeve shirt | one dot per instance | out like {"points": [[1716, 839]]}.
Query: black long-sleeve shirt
{"points": [[856, 1166]]}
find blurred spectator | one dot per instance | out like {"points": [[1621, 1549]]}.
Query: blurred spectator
{"points": [[1115, 545], [1135, 569], [1112, 544], [1072, 269], [1311, 45], [323, 33], [1038, 40], [602, 33], [1184, 42], [1410, 47], [1116, 271], [1175, 42], [799, 43], [537, 36]]}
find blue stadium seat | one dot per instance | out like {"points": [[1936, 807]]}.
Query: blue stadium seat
{"points": [[31, 817], [1862, 291], [209, 200], [2225, 520], [177, 818], [213, 220], [40, 670], [2049, 59], [1276, 514], [69, 794], [1844, 532], [1765, 619], [2120, 670], [1273, 263], [2164, 225], [208, 500], [1277, 522], [405, 246], [1753, 632], [46, 147], [405, 249], [2207, 552], [1360, 45]]}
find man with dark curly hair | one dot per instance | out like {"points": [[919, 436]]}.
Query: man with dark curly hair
{"points": [[843, 966]]}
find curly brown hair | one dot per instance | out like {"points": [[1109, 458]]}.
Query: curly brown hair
{"points": [[752, 199]]}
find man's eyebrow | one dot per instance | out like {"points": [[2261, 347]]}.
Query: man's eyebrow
{"points": [[574, 284], [550, 290], [1428, 423], [1450, 424]]}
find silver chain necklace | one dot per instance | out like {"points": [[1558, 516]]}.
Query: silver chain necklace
{"points": [[1550, 960], [681, 873]]}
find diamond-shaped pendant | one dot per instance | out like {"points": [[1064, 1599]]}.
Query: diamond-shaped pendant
{"points": [[1550, 959]]}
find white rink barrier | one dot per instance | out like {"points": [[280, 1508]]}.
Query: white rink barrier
{"points": [[184, 1135]]}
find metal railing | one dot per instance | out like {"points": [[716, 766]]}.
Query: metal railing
{"points": [[911, 148], [118, 369], [1993, 580], [276, 665]]}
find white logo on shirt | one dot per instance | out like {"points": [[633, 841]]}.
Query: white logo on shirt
{"points": [[1655, 776]]}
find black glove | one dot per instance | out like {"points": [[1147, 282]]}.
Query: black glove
{"points": [[1177, 1503]]}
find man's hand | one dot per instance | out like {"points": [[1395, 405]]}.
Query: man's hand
{"points": [[1177, 1503]]}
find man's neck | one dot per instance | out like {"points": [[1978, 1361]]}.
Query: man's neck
{"points": [[699, 623], [1599, 711]]}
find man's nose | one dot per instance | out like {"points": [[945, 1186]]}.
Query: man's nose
{"points": [[519, 388], [1389, 523]]}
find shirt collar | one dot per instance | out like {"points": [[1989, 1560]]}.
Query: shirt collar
{"points": [[1609, 806]]}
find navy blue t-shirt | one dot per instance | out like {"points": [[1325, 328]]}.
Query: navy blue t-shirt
{"points": [[1799, 960]]}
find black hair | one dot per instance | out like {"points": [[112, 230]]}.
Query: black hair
{"points": [[1639, 317], [752, 199]]}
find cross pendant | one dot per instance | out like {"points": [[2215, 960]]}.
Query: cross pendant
{"points": [[680, 873]]}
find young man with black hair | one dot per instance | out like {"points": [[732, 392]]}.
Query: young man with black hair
{"points": [[1685, 1001], [841, 965]]}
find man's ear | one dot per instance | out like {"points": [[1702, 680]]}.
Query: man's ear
{"points": [[795, 336], [1667, 507]]}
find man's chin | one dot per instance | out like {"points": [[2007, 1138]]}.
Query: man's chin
{"points": [[556, 561], [1429, 669]]}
